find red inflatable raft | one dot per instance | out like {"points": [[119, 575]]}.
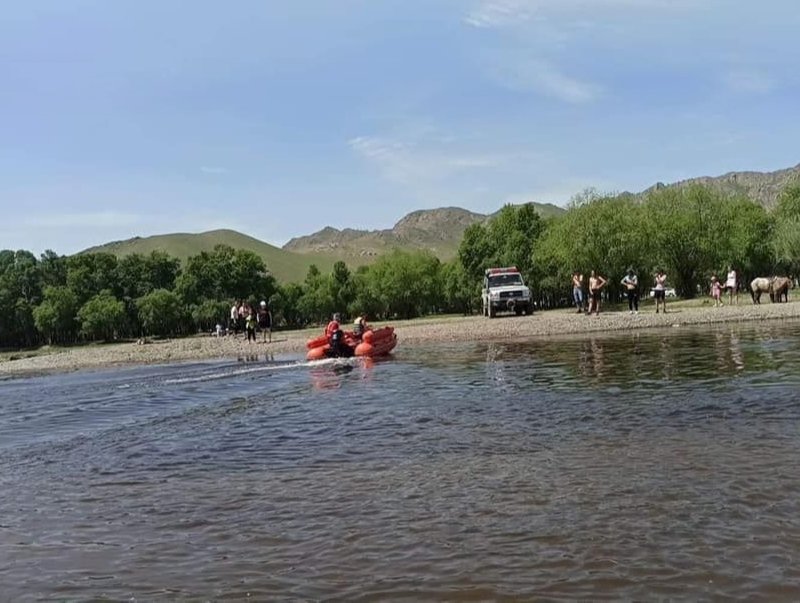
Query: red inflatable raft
{"points": [[374, 342]]}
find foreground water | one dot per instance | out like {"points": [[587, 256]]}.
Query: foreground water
{"points": [[649, 465]]}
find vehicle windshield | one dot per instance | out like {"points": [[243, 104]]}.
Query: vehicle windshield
{"points": [[503, 280]]}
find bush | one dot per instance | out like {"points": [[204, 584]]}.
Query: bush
{"points": [[101, 316]]}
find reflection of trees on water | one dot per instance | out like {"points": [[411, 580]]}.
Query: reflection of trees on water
{"points": [[690, 354]]}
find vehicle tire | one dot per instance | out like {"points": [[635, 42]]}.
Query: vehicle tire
{"points": [[491, 312], [518, 311]]}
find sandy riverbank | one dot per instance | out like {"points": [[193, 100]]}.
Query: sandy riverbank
{"points": [[447, 329]]}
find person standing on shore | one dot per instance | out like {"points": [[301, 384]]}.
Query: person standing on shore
{"points": [[731, 285], [596, 283], [660, 290], [265, 321], [250, 326], [631, 283], [244, 310], [577, 290], [233, 325], [716, 291]]}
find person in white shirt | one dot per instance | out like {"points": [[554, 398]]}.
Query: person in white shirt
{"points": [[660, 291], [233, 325], [731, 285]]}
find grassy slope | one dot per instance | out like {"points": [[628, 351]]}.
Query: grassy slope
{"points": [[285, 265]]}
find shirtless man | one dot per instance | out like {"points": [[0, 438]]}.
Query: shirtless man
{"points": [[596, 283]]}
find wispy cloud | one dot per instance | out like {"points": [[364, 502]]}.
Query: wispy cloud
{"points": [[504, 13], [421, 162], [544, 77], [749, 82], [214, 170]]}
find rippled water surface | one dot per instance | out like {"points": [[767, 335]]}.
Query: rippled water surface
{"points": [[643, 466]]}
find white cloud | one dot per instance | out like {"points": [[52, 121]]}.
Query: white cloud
{"points": [[749, 82], [542, 76], [422, 161]]}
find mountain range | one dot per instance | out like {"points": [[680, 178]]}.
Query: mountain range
{"points": [[436, 230]]}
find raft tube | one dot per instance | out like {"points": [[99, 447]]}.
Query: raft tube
{"points": [[378, 342]]}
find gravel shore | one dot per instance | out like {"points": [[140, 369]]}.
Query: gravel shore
{"points": [[552, 323]]}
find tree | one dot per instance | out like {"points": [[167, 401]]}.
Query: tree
{"points": [[101, 316], [688, 233], [90, 273], [160, 313], [513, 232], [55, 317], [285, 306], [207, 314], [475, 252], [605, 234], [225, 273], [341, 286], [460, 292], [406, 284]]}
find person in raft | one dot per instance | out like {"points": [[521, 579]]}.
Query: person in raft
{"points": [[360, 325], [265, 321], [335, 337], [596, 283]]}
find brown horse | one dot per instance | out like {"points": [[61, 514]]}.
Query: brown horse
{"points": [[779, 289]]}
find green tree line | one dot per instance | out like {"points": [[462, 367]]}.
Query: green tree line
{"points": [[690, 232]]}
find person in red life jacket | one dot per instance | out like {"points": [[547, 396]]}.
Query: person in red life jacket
{"points": [[333, 326], [336, 338]]}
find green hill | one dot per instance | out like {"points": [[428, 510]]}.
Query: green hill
{"points": [[286, 266]]}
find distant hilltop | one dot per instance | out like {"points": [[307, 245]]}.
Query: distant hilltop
{"points": [[436, 230], [762, 187]]}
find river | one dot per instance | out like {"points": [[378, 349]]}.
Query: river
{"points": [[647, 465]]}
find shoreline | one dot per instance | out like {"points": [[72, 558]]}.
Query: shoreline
{"points": [[449, 329]]}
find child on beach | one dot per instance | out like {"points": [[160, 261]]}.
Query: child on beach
{"points": [[716, 291], [250, 326]]}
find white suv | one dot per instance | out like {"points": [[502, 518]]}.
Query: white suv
{"points": [[505, 291]]}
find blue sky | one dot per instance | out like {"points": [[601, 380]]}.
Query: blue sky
{"points": [[276, 118]]}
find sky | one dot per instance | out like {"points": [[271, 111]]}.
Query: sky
{"points": [[278, 118]]}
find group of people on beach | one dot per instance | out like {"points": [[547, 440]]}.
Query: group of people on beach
{"points": [[246, 319], [630, 283]]}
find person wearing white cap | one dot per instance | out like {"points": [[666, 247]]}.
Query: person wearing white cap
{"points": [[265, 321]]}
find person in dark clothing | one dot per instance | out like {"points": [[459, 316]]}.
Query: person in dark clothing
{"points": [[265, 321], [631, 284]]}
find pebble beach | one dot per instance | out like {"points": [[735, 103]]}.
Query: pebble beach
{"points": [[553, 323]]}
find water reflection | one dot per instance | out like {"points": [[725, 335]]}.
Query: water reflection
{"points": [[688, 354]]}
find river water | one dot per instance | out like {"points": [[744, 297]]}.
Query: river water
{"points": [[637, 466]]}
